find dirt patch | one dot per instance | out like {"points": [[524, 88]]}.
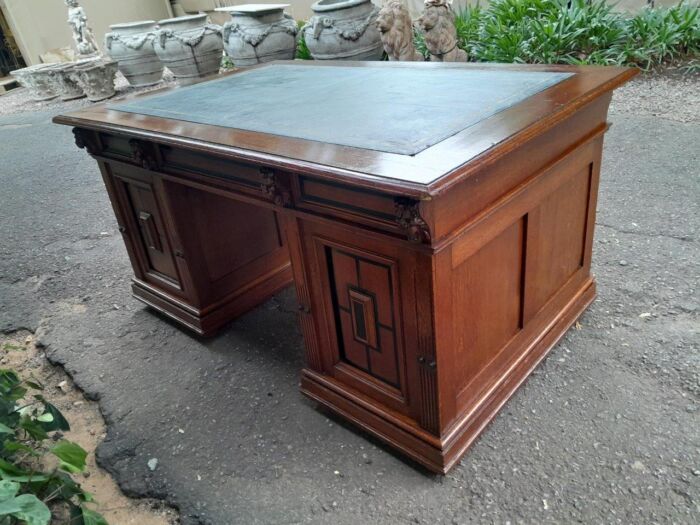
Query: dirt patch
{"points": [[19, 353]]}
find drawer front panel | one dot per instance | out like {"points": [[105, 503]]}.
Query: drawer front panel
{"points": [[190, 162], [376, 209]]}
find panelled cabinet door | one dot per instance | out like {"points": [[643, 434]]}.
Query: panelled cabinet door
{"points": [[367, 298], [143, 211]]}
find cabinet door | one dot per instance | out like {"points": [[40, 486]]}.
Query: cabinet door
{"points": [[365, 299], [142, 211]]}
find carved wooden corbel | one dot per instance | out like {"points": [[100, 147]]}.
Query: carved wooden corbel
{"points": [[83, 141], [142, 154], [273, 188], [408, 217]]}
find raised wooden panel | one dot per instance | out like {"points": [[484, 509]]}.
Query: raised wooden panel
{"points": [[363, 301], [233, 246], [364, 320], [231, 243], [556, 246], [487, 305]]}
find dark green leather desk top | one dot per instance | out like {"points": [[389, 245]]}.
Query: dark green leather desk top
{"points": [[393, 110]]}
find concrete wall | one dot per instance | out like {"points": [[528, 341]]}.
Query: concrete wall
{"points": [[299, 9], [41, 25]]}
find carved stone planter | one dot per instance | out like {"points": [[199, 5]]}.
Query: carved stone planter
{"points": [[37, 80], [343, 30], [131, 45], [63, 83], [96, 78], [259, 33], [189, 47]]}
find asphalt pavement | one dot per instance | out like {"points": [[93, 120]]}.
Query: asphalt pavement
{"points": [[607, 429]]}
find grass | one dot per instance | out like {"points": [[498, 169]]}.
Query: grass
{"points": [[577, 32]]}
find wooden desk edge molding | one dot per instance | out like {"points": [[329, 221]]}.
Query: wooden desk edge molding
{"points": [[430, 285]]}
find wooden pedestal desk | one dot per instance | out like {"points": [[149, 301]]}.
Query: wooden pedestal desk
{"points": [[436, 220]]}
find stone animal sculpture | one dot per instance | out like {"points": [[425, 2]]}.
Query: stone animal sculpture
{"points": [[396, 31], [437, 22]]}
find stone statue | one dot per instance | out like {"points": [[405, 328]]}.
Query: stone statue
{"points": [[84, 39], [396, 30], [437, 22]]}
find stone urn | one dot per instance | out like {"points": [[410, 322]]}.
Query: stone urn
{"points": [[259, 33], [343, 30], [37, 80], [189, 47], [63, 83], [96, 78], [131, 45]]}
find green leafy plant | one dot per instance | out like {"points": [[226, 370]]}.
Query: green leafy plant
{"points": [[227, 63], [303, 52], [576, 32], [30, 429], [658, 35]]}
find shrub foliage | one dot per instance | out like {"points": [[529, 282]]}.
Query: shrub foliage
{"points": [[576, 32], [30, 433]]}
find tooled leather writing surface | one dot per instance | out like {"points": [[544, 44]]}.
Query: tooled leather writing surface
{"points": [[398, 110]]}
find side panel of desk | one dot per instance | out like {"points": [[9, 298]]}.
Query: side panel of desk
{"points": [[513, 269]]}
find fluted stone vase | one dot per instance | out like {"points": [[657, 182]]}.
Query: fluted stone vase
{"points": [[131, 45], [343, 30], [37, 80], [63, 83], [259, 33], [189, 47], [96, 78]]}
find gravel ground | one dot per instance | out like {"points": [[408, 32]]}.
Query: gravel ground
{"points": [[19, 101], [672, 96], [605, 431]]}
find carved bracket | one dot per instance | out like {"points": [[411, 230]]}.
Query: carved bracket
{"points": [[408, 217], [84, 141], [274, 188], [142, 154]]}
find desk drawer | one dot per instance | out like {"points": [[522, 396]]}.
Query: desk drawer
{"points": [[238, 176], [365, 206], [179, 161]]}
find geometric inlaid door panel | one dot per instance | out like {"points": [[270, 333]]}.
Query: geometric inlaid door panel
{"points": [[142, 213], [152, 231], [362, 293]]}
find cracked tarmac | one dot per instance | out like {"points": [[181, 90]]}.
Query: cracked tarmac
{"points": [[606, 430]]}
